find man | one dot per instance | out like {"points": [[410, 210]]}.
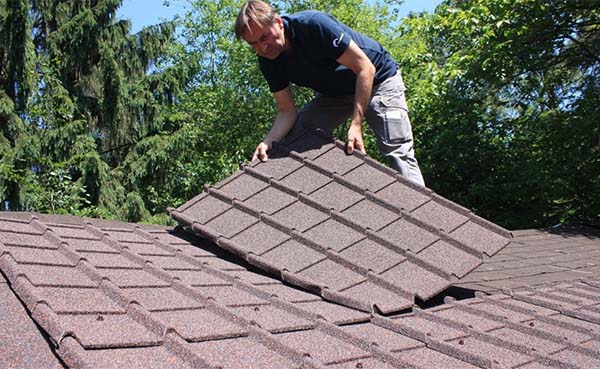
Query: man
{"points": [[353, 75]]}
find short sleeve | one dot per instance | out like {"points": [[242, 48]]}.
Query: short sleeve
{"points": [[333, 38], [273, 73]]}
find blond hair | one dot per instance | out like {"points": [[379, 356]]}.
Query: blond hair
{"points": [[254, 10]]}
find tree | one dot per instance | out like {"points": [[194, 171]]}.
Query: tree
{"points": [[504, 96], [78, 92]]}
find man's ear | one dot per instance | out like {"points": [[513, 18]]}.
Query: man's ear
{"points": [[279, 21]]}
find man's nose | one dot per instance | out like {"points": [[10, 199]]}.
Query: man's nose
{"points": [[263, 47]]}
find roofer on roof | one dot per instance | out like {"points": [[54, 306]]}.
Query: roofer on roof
{"points": [[353, 75]]}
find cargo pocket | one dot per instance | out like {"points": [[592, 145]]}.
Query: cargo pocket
{"points": [[396, 124]]}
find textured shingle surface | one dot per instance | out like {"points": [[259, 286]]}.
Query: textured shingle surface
{"points": [[536, 257], [180, 312], [342, 226], [17, 328]]}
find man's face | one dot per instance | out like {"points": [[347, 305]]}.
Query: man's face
{"points": [[268, 41]]}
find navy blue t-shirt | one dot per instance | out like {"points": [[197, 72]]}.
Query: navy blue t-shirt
{"points": [[317, 40]]}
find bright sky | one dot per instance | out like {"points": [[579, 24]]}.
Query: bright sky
{"points": [[147, 12]]}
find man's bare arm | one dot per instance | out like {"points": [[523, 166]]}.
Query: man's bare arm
{"points": [[284, 121], [355, 59]]}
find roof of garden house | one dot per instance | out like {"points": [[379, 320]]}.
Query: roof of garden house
{"points": [[98, 294], [311, 259]]}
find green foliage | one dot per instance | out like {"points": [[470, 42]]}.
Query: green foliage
{"points": [[98, 122], [77, 92], [504, 96]]}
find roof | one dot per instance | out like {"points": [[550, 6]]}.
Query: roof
{"points": [[346, 227], [110, 294], [535, 257], [307, 260]]}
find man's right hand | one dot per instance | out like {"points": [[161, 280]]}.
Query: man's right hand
{"points": [[261, 152]]}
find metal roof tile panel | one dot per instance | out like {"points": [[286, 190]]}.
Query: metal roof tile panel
{"points": [[17, 328], [336, 196], [241, 353], [372, 256], [32, 255], [95, 331], [260, 238], [321, 346], [368, 214], [428, 358], [200, 324], [305, 180], [273, 319], [56, 276], [461, 333], [323, 225]]}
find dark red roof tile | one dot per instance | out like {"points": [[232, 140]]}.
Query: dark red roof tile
{"points": [[240, 353], [332, 275], [321, 346], [285, 293], [334, 235], [305, 180], [382, 337], [407, 236], [293, 256], [449, 258], [71, 300], [33, 255], [127, 278], [161, 298], [333, 313], [55, 276], [206, 208], [337, 161], [335, 196], [104, 260], [15, 226], [415, 278], [229, 295], [90, 246], [231, 222], [370, 215], [299, 216], [108, 331], [146, 249], [309, 145], [154, 357], [24, 239], [200, 324], [368, 178], [23, 345], [479, 238], [427, 358], [278, 167], [171, 262], [242, 187], [402, 196], [172, 325], [272, 319], [270, 200], [439, 216], [370, 197], [372, 256], [65, 231], [260, 238]]}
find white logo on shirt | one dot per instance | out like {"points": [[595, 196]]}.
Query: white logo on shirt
{"points": [[336, 42]]}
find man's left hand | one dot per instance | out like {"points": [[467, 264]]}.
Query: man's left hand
{"points": [[355, 140]]}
